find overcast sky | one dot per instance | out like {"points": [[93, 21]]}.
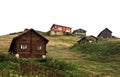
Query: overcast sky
{"points": [[90, 15]]}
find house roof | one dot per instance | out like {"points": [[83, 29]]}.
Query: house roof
{"points": [[14, 39], [60, 26], [106, 29], [28, 31], [91, 37], [79, 30]]}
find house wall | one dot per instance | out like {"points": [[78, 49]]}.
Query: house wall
{"points": [[80, 34], [56, 33], [61, 28], [67, 30], [32, 40], [105, 34], [89, 39]]}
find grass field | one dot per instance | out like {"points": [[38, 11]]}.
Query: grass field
{"points": [[63, 52]]}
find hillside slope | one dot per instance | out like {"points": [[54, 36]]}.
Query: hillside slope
{"points": [[59, 48]]}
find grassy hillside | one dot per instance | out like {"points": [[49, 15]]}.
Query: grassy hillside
{"points": [[106, 50], [5, 43], [105, 55], [87, 60]]}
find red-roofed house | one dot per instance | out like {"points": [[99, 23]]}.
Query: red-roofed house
{"points": [[59, 30]]}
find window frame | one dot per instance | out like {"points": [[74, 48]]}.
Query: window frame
{"points": [[23, 47], [39, 47]]}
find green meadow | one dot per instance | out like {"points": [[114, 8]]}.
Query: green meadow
{"points": [[101, 59]]}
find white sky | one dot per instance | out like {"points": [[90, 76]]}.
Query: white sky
{"points": [[91, 15]]}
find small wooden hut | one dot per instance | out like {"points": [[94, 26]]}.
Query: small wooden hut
{"points": [[29, 44], [106, 33], [79, 32], [89, 39]]}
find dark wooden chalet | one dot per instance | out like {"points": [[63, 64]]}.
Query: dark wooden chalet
{"points": [[59, 29], [89, 39], [79, 32], [106, 33], [29, 44]]}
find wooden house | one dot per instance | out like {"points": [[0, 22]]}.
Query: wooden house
{"points": [[89, 39], [79, 32], [59, 29], [106, 33], [29, 44]]}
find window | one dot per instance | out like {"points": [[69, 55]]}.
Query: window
{"points": [[60, 28], [90, 41], [39, 47], [23, 47]]}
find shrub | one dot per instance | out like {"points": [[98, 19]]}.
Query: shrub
{"points": [[114, 49], [58, 64], [4, 57], [100, 50], [65, 68]]}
